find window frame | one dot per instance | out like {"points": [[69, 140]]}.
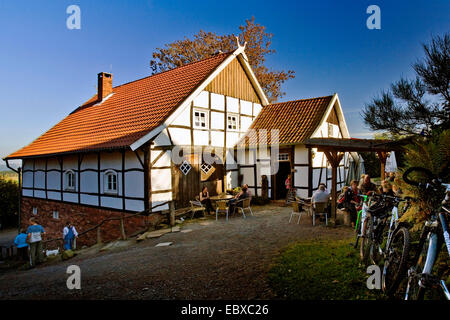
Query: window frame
{"points": [[106, 182], [67, 180], [237, 121], [200, 111]]}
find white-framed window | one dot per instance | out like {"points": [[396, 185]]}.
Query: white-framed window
{"points": [[110, 183], [35, 210], [200, 119], [330, 130], [55, 214], [283, 157], [70, 180], [185, 167], [232, 122]]}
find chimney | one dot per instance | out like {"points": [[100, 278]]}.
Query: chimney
{"points": [[105, 86]]}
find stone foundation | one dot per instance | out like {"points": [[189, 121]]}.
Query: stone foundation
{"points": [[83, 218]]}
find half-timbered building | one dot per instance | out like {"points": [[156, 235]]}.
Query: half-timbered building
{"points": [[140, 145]]}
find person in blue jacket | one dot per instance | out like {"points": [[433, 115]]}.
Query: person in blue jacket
{"points": [[69, 234], [22, 245]]}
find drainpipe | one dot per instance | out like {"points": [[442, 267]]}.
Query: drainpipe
{"points": [[18, 171]]}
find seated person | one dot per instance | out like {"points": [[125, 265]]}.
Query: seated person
{"points": [[205, 200], [243, 194], [386, 188], [350, 200], [367, 186], [321, 194]]}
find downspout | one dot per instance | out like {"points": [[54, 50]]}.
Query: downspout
{"points": [[18, 171]]}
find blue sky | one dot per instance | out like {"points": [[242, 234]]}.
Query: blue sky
{"points": [[47, 70]]}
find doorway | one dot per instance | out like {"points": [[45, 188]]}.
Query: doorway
{"points": [[284, 168]]}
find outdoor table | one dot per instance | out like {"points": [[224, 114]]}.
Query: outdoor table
{"points": [[221, 197]]}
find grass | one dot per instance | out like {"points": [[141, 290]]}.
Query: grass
{"points": [[320, 270]]}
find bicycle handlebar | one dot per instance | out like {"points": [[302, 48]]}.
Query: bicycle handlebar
{"points": [[427, 172]]}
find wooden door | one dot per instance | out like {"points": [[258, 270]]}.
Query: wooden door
{"points": [[186, 186]]}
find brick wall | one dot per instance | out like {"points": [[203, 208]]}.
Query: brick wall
{"points": [[83, 218]]}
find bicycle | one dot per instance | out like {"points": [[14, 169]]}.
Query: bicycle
{"points": [[391, 247], [361, 216], [434, 233]]}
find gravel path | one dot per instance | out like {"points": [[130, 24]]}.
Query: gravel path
{"points": [[217, 260]]}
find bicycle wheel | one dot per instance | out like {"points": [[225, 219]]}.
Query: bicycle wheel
{"points": [[413, 290], [396, 260], [366, 240]]}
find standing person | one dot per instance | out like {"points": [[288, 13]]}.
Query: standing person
{"points": [[288, 182], [204, 199], [34, 238], [69, 234], [22, 246], [351, 200]]}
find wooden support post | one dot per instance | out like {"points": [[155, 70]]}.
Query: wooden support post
{"points": [[383, 157], [172, 213], [334, 158], [122, 229]]}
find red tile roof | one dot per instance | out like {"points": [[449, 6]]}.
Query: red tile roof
{"points": [[134, 109], [294, 120]]}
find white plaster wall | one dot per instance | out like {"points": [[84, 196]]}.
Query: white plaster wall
{"points": [[246, 107], [301, 177], [217, 139], [183, 118], [202, 100], [161, 179], [232, 138], [131, 160], [134, 205], [201, 138], [54, 195], [232, 179], [217, 120], [301, 154], [39, 194], [180, 136], [88, 181], [256, 109], [134, 184], [70, 197], [248, 176], [164, 160], [111, 160], [70, 163], [88, 199], [217, 102], [110, 202], [245, 123], [232, 105]]}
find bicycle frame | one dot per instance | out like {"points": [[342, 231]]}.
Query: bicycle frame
{"points": [[433, 250]]}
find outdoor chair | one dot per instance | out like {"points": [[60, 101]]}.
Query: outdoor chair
{"points": [[222, 206], [297, 210], [320, 208], [242, 205], [196, 206]]}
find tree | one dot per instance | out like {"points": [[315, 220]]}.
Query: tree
{"points": [[419, 106], [9, 202], [205, 44]]}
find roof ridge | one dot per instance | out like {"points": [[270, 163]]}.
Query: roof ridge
{"points": [[184, 65], [298, 100]]}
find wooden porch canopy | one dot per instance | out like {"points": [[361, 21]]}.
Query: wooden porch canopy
{"points": [[334, 149]]}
